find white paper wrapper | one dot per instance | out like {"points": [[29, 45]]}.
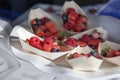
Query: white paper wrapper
{"points": [[78, 9], [84, 63], [24, 34], [111, 45], [103, 32], [39, 13]]}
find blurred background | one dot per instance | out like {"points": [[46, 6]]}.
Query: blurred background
{"points": [[17, 7]]}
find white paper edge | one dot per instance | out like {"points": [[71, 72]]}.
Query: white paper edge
{"points": [[23, 35]]}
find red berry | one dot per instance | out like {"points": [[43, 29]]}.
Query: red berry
{"points": [[79, 28], [68, 26], [70, 10], [85, 38], [47, 47], [87, 55], [81, 19], [110, 54], [81, 44], [76, 55], [33, 22], [116, 53], [70, 42], [48, 40], [94, 42], [35, 42], [44, 20], [73, 16]]}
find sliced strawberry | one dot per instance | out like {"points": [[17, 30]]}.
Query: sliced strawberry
{"points": [[110, 54], [75, 55], [94, 42], [70, 42], [33, 22], [35, 42], [48, 40], [79, 28], [47, 47], [68, 26], [73, 16], [70, 10], [85, 38], [81, 44], [116, 53]]}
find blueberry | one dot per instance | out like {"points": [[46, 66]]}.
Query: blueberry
{"points": [[38, 22], [34, 26], [57, 50], [64, 17], [44, 20], [104, 54], [90, 36], [53, 50], [91, 46], [94, 53]]}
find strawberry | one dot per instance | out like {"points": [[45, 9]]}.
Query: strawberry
{"points": [[33, 22], [35, 42], [75, 55], [80, 43], [68, 26], [116, 53], [81, 19], [86, 55], [79, 27], [48, 40], [70, 10], [85, 38], [94, 42], [73, 16], [47, 47], [110, 54], [70, 42], [44, 20]]}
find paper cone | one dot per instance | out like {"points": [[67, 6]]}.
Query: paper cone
{"points": [[78, 9], [24, 35], [84, 63], [39, 13], [111, 45]]}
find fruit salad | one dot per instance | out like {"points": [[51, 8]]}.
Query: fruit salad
{"points": [[48, 44], [73, 21], [108, 52], [44, 27], [91, 40], [78, 55]]}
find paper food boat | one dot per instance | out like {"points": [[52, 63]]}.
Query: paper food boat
{"points": [[84, 63], [78, 9], [39, 13], [79, 35], [24, 34], [111, 45]]}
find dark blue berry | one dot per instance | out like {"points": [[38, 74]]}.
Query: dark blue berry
{"points": [[94, 53], [57, 50], [53, 50], [104, 54], [34, 26], [44, 20], [90, 36], [38, 22], [64, 18], [91, 46]]}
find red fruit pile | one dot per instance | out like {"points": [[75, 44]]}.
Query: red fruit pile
{"points": [[43, 27], [48, 44], [107, 52], [92, 40], [77, 55], [74, 21]]}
